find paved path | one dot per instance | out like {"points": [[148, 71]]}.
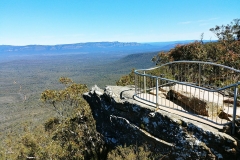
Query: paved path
{"points": [[127, 93]]}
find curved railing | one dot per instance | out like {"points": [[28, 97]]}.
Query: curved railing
{"points": [[204, 89]]}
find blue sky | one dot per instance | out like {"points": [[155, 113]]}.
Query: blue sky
{"points": [[24, 22]]}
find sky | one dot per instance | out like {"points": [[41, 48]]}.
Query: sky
{"points": [[50, 22]]}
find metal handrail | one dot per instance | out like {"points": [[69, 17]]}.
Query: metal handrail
{"points": [[141, 76], [200, 62]]}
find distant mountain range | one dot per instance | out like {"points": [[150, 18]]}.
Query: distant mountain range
{"points": [[89, 47], [81, 47], [106, 49]]}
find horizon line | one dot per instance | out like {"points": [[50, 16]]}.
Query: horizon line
{"points": [[102, 42]]}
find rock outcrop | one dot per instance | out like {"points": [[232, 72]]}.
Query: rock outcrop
{"points": [[125, 121]]}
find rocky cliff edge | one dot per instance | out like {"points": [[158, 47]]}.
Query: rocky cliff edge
{"points": [[124, 121]]}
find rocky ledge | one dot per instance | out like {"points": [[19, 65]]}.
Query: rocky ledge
{"points": [[125, 121]]}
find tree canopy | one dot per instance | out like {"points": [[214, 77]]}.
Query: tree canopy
{"points": [[229, 32], [225, 51]]}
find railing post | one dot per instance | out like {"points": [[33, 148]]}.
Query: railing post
{"points": [[144, 82], [135, 81], [199, 75], [156, 92], [234, 108]]}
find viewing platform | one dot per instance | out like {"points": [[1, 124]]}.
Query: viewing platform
{"points": [[202, 91]]}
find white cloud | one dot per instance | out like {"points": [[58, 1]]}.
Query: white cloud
{"points": [[200, 22]]}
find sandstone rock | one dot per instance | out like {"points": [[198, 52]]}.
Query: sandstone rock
{"points": [[97, 90], [223, 115], [230, 100]]}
